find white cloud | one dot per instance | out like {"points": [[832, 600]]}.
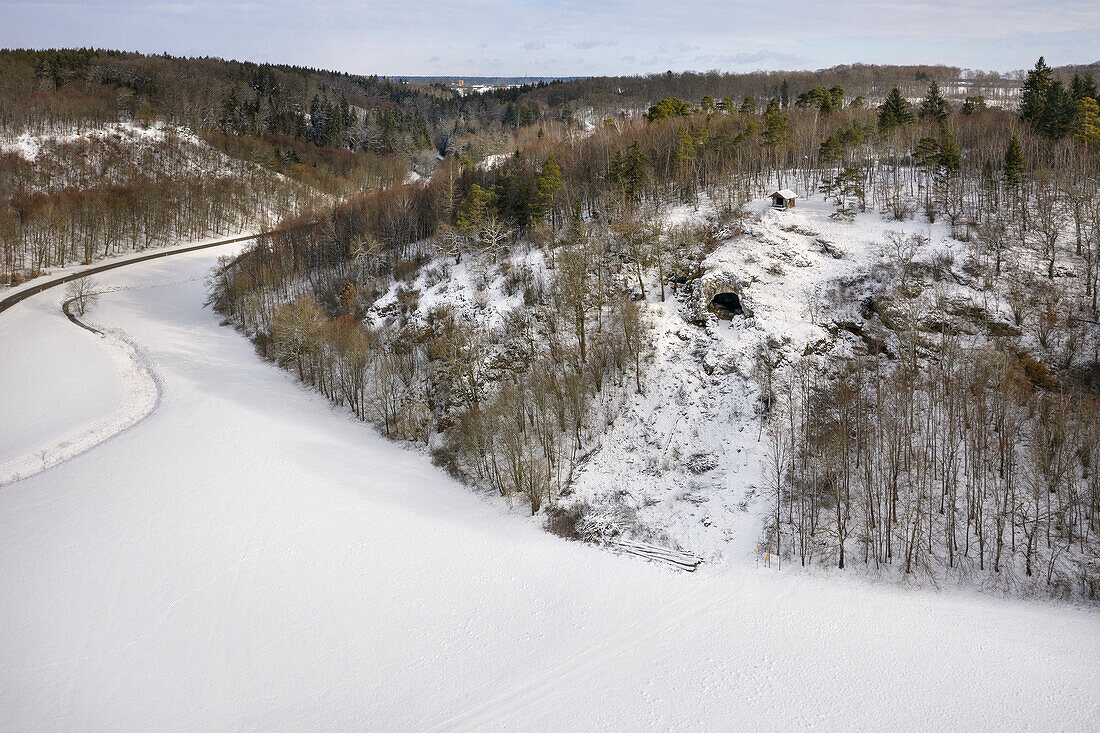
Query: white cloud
{"points": [[608, 36]]}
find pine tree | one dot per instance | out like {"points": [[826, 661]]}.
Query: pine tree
{"points": [[471, 213], [1033, 96], [831, 150], [785, 94], [949, 159], [836, 98], [669, 107], [894, 112], [927, 152], [629, 172], [1059, 111], [777, 133], [1014, 162], [347, 117], [511, 199], [547, 184], [1081, 87], [825, 100], [934, 107], [777, 127], [972, 105]]}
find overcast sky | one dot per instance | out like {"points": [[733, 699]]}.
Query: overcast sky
{"points": [[571, 37]]}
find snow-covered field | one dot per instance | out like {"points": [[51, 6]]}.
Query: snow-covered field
{"points": [[246, 557]]}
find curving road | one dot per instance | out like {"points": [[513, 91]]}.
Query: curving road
{"points": [[25, 293]]}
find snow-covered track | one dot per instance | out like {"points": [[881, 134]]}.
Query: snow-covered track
{"points": [[143, 384], [143, 395]]}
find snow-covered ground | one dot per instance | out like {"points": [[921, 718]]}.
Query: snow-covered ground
{"points": [[247, 557], [112, 153], [492, 161], [28, 144]]}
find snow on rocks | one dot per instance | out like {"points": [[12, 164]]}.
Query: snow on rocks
{"points": [[700, 396], [492, 161]]}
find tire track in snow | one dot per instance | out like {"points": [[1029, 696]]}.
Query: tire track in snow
{"points": [[643, 633]]}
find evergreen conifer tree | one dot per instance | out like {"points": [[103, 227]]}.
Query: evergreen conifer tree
{"points": [[547, 184], [669, 107], [471, 213], [1081, 87], [972, 105], [836, 98], [1033, 96], [894, 112], [629, 171], [949, 159], [1014, 162], [831, 150], [934, 107], [686, 152], [1059, 111], [777, 127]]}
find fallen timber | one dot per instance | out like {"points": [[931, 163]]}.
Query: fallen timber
{"points": [[676, 558]]}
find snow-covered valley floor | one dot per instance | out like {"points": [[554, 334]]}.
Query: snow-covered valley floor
{"points": [[246, 557]]}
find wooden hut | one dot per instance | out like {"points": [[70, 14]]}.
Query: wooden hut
{"points": [[783, 199]]}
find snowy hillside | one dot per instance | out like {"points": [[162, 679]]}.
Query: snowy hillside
{"points": [[123, 187], [116, 154], [686, 462], [247, 557], [681, 451]]}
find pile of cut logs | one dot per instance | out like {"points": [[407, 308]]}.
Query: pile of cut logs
{"points": [[676, 558]]}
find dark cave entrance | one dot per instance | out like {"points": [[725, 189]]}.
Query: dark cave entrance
{"points": [[727, 305]]}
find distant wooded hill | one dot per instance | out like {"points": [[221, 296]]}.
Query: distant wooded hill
{"points": [[511, 80], [341, 132]]}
